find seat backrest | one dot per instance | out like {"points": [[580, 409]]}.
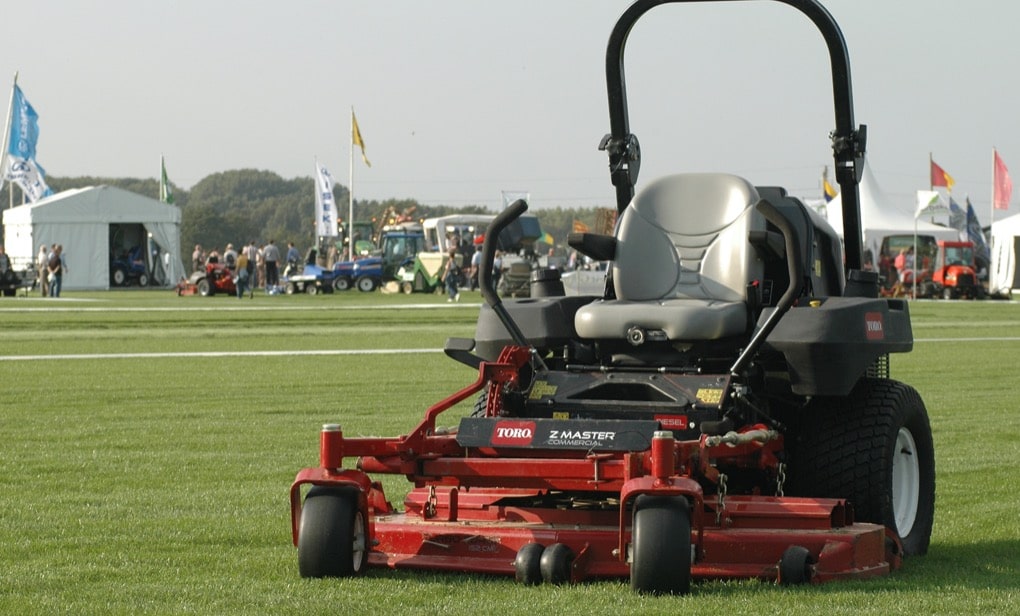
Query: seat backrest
{"points": [[686, 236]]}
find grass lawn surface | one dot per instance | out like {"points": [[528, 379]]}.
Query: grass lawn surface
{"points": [[149, 442]]}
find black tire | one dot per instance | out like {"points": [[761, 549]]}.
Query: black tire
{"points": [[795, 566], [873, 448], [333, 536], [482, 401], [528, 563], [341, 283], [311, 289], [143, 280], [205, 288], [661, 546], [291, 288], [947, 293], [365, 284], [555, 563], [118, 277], [406, 288]]}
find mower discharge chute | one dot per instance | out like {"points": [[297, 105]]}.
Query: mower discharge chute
{"points": [[724, 410]]}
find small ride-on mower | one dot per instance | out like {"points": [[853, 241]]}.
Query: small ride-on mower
{"points": [[723, 410], [216, 278]]}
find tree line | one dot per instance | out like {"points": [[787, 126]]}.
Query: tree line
{"points": [[241, 205]]}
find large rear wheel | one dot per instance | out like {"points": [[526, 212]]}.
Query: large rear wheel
{"points": [[873, 448], [661, 545], [333, 538]]}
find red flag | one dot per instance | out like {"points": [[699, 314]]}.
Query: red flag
{"points": [[939, 177], [1003, 186]]}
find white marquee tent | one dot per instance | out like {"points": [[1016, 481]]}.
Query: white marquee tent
{"points": [[881, 217], [1003, 274], [93, 224]]}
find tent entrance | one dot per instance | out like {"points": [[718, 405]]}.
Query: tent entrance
{"points": [[129, 247], [1016, 270]]}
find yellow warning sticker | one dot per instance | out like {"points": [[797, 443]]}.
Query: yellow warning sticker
{"points": [[542, 389], [709, 396], [560, 415]]}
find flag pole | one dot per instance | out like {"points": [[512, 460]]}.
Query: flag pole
{"points": [[350, 196], [3, 153], [991, 211]]}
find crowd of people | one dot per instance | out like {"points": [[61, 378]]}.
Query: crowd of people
{"points": [[51, 265], [49, 268]]}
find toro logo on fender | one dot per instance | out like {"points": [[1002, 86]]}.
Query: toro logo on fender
{"points": [[513, 433], [873, 329]]}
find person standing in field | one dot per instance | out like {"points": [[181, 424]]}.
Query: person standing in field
{"points": [[252, 253], [56, 268], [243, 274], [42, 260], [271, 255], [451, 275], [198, 259]]}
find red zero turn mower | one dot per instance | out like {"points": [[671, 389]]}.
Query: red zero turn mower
{"points": [[724, 410]]}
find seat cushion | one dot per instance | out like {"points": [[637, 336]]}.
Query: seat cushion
{"points": [[683, 261], [680, 318]]}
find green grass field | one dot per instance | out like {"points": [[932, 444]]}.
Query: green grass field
{"points": [[151, 483]]}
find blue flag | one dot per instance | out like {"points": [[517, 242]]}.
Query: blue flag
{"points": [[22, 168], [976, 235], [957, 217]]}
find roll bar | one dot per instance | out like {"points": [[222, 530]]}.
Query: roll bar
{"points": [[848, 141]]}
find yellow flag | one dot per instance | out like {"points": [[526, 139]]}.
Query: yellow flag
{"points": [[356, 138]]}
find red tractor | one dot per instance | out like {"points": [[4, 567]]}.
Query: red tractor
{"points": [[217, 278], [723, 410], [954, 274]]}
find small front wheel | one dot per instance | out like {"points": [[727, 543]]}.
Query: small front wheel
{"points": [[333, 537], [661, 545]]}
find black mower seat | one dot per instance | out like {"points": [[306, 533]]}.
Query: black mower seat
{"points": [[683, 262]]}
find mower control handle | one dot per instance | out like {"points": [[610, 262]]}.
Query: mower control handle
{"points": [[507, 216], [795, 270]]}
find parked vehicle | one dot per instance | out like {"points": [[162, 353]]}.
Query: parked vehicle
{"points": [[215, 278], [310, 279], [129, 268], [955, 273], [397, 247]]}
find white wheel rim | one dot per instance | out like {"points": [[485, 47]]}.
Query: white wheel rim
{"points": [[906, 480], [359, 542]]}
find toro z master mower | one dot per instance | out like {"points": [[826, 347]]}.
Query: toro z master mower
{"points": [[724, 410]]}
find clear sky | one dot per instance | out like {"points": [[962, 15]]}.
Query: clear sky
{"points": [[459, 100]]}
